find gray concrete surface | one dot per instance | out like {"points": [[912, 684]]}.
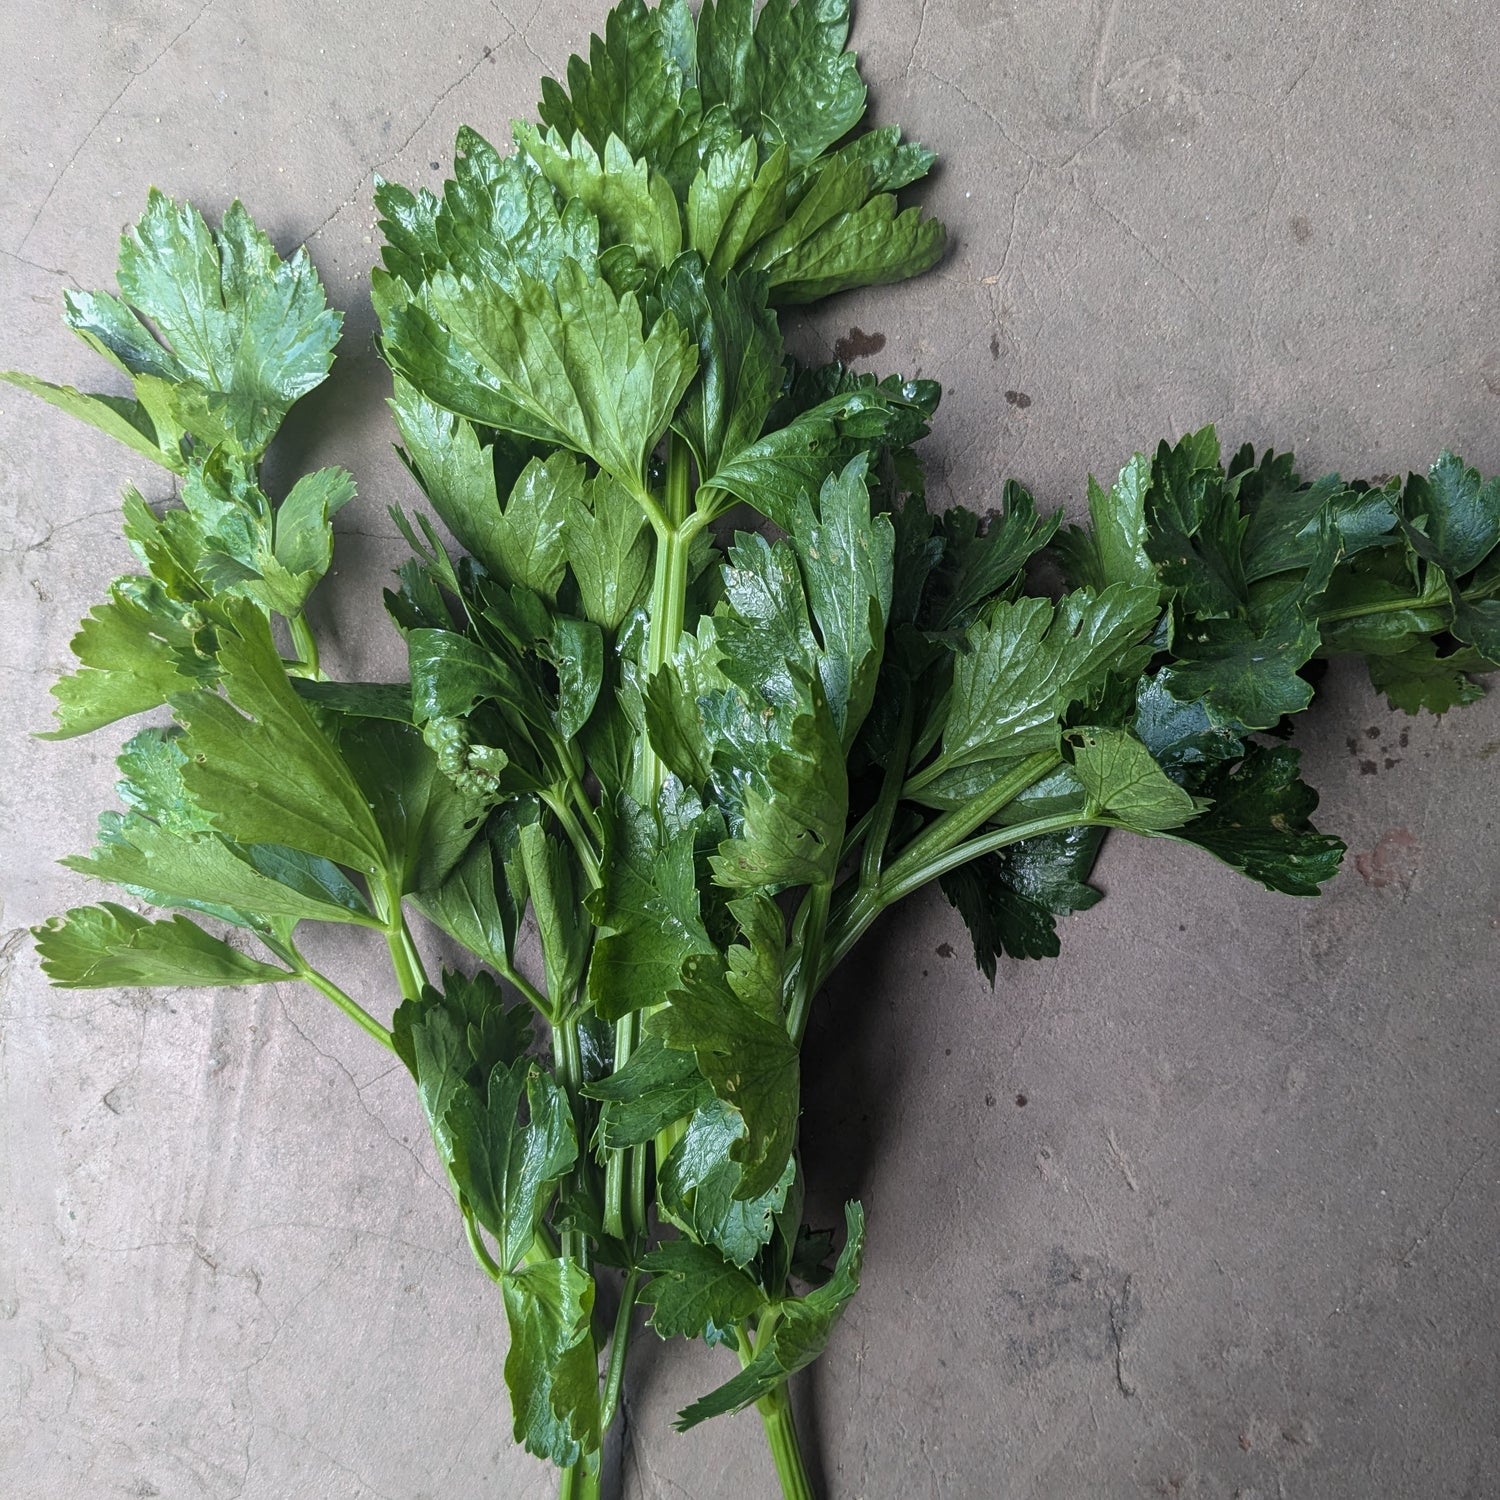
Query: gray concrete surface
{"points": [[1240, 1240]]}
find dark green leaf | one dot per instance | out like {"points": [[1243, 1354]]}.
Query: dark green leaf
{"points": [[1008, 899], [784, 76], [506, 1170], [699, 1183], [695, 1293], [1260, 822], [648, 913], [552, 1366], [1451, 516], [573, 361], [655, 1088], [752, 1063], [799, 1334]]}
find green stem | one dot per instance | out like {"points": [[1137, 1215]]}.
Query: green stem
{"points": [[679, 484], [528, 990], [581, 1482], [945, 831], [853, 918], [567, 1064], [478, 1246], [583, 845], [306, 645], [809, 930], [675, 527], [350, 1007], [617, 1166], [884, 812], [668, 603], [1425, 600], [781, 1437], [615, 1374], [409, 976]]}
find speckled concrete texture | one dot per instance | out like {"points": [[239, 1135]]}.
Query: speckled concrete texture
{"points": [[1208, 1207]]}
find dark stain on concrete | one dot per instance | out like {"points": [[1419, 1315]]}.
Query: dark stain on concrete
{"points": [[857, 344], [1019, 399], [1301, 229], [1394, 861]]}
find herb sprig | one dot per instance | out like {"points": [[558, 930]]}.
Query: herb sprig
{"points": [[704, 758]]}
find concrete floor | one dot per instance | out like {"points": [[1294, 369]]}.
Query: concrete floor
{"points": [[1240, 1240]]}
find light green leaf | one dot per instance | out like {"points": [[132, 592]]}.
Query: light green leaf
{"points": [[1122, 779], [259, 761], [1027, 660], [873, 246], [573, 359], [699, 1183], [476, 905], [847, 558], [138, 649], [634, 205], [123, 419], [456, 474], [304, 540], [105, 946], [733, 204], [531, 535], [655, 1088], [253, 333], [739, 360], [608, 547]]}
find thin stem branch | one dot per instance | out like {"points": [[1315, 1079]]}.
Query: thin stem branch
{"points": [[853, 918], [583, 845], [809, 930], [350, 1007], [615, 1372], [883, 814], [305, 643], [477, 1245]]}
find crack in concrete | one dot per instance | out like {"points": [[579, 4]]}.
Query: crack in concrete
{"points": [[1441, 1217], [1101, 56], [484, 55], [104, 114], [374, 1114]]}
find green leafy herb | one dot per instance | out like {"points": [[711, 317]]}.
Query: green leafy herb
{"points": [[700, 764]]}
